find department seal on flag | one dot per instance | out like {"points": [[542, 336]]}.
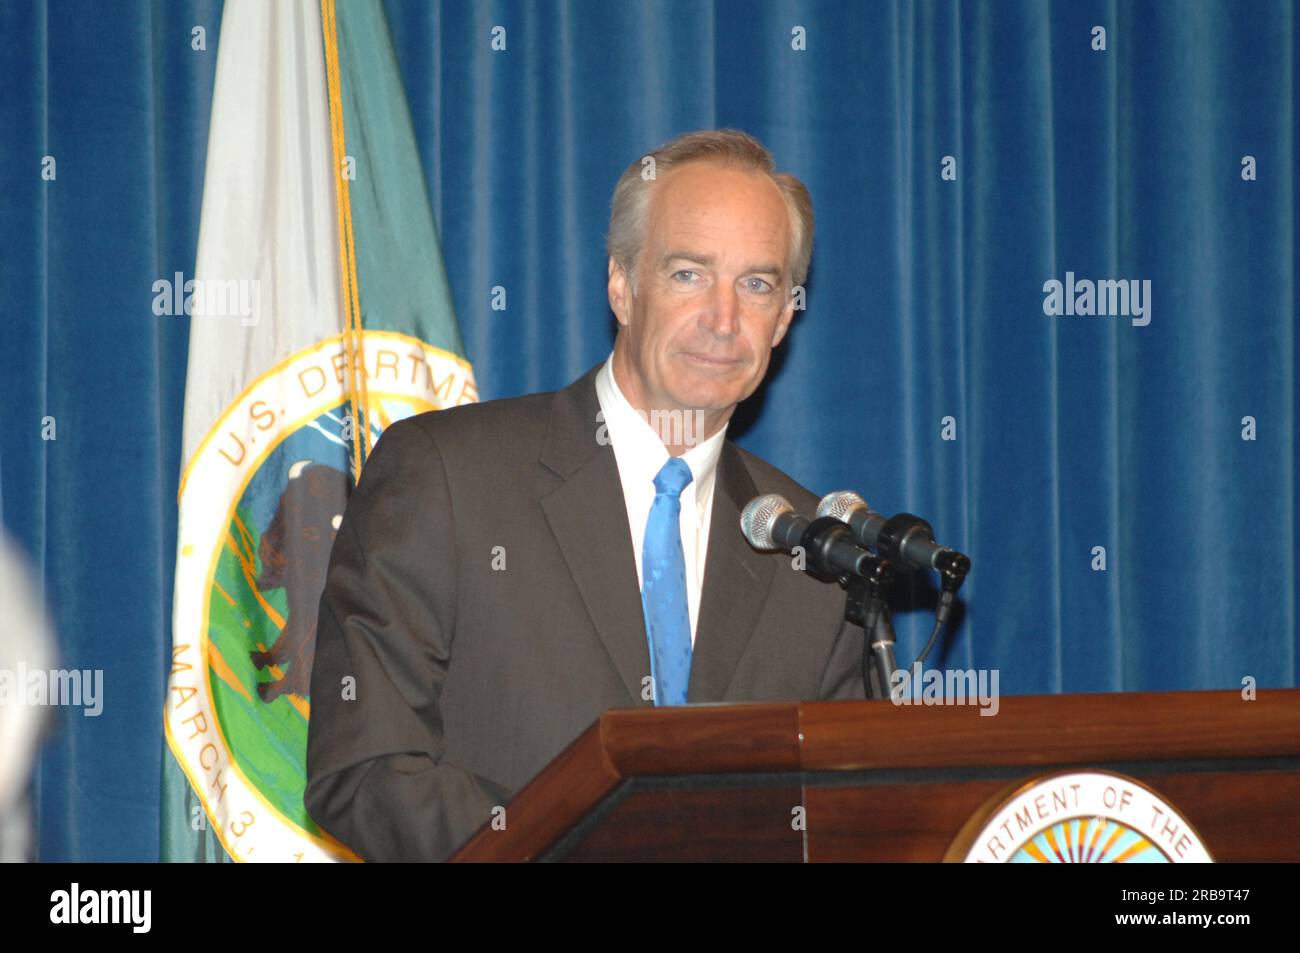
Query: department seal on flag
{"points": [[1081, 817], [260, 504]]}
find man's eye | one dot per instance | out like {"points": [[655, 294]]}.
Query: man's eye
{"points": [[679, 275], [758, 286]]}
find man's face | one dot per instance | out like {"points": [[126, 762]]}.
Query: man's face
{"points": [[712, 292]]}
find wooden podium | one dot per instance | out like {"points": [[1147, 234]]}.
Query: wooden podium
{"points": [[852, 781]]}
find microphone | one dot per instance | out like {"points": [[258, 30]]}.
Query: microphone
{"points": [[904, 540], [770, 523]]}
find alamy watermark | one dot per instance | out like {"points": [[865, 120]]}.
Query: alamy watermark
{"points": [[209, 297], [946, 687], [1106, 297], [675, 428], [81, 688], [75, 905]]}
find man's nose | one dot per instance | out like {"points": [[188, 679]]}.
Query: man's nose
{"points": [[723, 318]]}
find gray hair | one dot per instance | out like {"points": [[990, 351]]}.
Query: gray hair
{"points": [[630, 213]]}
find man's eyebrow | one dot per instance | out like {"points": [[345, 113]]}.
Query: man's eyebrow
{"points": [[699, 259], [687, 256]]}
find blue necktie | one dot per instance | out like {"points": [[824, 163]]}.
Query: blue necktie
{"points": [[663, 587]]}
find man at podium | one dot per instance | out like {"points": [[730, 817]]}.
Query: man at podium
{"points": [[507, 571]]}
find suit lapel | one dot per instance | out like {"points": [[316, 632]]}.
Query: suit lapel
{"points": [[736, 581], [588, 517]]}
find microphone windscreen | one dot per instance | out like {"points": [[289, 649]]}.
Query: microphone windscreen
{"points": [[759, 518], [840, 504]]}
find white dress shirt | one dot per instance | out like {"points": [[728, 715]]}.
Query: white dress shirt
{"points": [[640, 455]]}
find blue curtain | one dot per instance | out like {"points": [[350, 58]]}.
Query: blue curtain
{"points": [[960, 155]]}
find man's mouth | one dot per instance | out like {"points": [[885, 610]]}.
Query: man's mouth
{"points": [[705, 360]]}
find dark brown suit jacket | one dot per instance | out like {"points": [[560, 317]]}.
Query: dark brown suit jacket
{"points": [[482, 594]]}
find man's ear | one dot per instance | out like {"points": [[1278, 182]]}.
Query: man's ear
{"points": [[620, 293], [783, 322]]}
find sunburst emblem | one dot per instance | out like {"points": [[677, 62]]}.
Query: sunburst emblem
{"points": [[1088, 840], [1078, 817]]}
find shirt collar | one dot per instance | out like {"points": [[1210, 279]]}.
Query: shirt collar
{"points": [[635, 440]]}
